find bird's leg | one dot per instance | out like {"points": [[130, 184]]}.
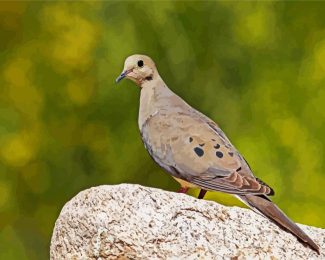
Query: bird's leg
{"points": [[183, 190], [202, 193]]}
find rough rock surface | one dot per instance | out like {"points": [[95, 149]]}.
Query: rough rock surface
{"points": [[134, 222]]}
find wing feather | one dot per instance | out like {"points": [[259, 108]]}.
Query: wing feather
{"points": [[199, 152]]}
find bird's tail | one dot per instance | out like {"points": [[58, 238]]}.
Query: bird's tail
{"points": [[267, 208]]}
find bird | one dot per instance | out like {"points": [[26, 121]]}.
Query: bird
{"points": [[193, 149]]}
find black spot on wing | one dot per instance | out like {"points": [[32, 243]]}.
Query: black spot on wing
{"points": [[190, 139], [231, 154], [199, 151], [219, 154], [217, 146], [202, 144]]}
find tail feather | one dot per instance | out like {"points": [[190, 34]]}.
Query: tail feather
{"points": [[267, 208]]}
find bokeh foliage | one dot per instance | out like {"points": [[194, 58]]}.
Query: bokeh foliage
{"points": [[258, 69]]}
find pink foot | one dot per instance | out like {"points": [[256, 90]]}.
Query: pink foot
{"points": [[182, 190]]}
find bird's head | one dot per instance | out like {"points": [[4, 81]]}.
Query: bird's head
{"points": [[138, 68]]}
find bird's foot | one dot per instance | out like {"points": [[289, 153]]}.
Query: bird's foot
{"points": [[183, 190], [202, 194]]}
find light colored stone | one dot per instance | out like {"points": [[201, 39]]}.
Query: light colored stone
{"points": [[134, 222]]}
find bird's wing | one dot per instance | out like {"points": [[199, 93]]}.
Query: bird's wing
{"points": [[194, 149]]}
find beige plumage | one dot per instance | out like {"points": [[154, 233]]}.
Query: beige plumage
{"points": [[193, 149]]}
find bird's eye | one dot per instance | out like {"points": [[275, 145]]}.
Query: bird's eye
{"points": [[140, 63]]}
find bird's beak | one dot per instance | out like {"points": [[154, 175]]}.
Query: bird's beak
{"points": [[122, 76]]}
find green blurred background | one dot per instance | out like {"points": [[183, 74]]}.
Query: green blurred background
{"points": [[258, 69]]}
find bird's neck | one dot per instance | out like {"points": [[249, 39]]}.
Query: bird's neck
{"points": [[152, 97]]}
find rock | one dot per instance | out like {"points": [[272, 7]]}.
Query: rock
{"points": [[134, 222]]}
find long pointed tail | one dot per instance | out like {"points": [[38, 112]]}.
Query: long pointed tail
{"points": [[266, 207]]}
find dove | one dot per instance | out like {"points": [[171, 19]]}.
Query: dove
{"points": [[194, 150]]}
